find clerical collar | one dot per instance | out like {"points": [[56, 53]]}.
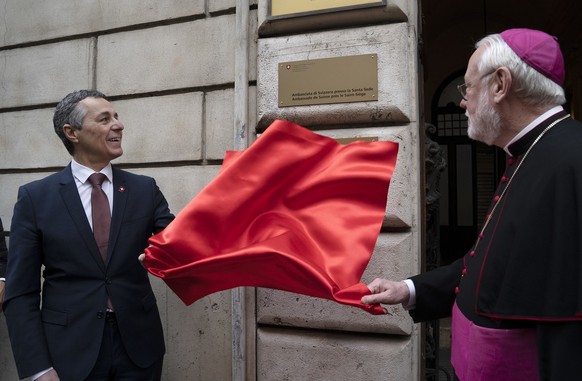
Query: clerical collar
{"points": [[514, 148]]}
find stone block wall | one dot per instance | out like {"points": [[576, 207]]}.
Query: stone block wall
{"points": [[169, 68], [305, 338]]}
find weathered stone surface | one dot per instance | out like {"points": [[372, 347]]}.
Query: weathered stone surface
{"points": [[221, 5], [61, 18], [220, 125], [286, 354], [46, 73], [168, 57], [28, 140], [161, 129], [198, 338]]}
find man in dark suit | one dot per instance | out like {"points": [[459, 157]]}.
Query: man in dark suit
{"points": [[3, 257], [98, 319]]}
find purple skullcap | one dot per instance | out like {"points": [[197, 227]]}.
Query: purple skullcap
{"points": [[539, 50]]}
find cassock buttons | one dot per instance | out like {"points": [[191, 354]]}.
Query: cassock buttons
{"points": [[472, 254], [496, 198], [464, 272], [457, 290], [510, 161], [481, 235], [504, 179]]}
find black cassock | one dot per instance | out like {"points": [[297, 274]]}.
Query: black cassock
{"points": [[525, 269]]}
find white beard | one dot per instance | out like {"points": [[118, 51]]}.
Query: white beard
{"points": [[485, 124]]}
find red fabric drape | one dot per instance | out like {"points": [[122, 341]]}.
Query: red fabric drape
{"points": [[296, 211]]}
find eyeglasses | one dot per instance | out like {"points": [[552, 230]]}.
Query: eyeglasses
{"points": [[463, 87]]}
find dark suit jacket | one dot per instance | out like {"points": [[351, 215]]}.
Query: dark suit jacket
{"points": [[50, 229], [3, 251]]}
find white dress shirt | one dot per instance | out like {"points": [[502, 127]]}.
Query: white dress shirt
{"points": [[81, 175]]}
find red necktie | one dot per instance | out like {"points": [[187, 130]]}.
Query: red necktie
{"points": [[101, 214]]}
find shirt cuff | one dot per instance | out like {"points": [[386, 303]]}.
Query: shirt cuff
{"points": [[3, 279], [34, 377], [411, 304]]}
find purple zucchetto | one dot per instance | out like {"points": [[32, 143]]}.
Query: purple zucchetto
{"points": [[539, 50]]}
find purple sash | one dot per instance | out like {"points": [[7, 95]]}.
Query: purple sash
{"points": [[487, 354]]}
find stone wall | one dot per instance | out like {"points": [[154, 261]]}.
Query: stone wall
{"points": [[170, 69]]}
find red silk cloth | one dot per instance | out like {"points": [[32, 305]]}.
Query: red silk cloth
{"points": [[296, 211]]}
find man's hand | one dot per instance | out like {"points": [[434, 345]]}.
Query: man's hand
{"points": [[141, 257], [386, 291]]}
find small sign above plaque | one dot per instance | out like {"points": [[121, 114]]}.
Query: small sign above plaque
{"points": [[286, 8], [328, 80], [285, 17]]}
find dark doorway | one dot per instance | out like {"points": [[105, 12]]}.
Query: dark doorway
{"points": [[469, 178]]}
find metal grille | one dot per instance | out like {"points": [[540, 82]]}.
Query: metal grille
{"points": [[451, 121]]}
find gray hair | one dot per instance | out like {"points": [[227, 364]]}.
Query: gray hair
{"points": [[69, 111], [529, 85]]}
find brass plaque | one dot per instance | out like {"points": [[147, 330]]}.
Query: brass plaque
{"points": [[329, 80], [281, 8]]}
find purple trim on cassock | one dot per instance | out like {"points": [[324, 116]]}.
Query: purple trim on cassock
{"points": [[487, 354]]}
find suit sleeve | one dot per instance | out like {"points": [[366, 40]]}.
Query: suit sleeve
{"points": [[23, 287], [162, 214], [3, 251], [435, 292]]}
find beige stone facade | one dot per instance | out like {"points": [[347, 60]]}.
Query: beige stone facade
{"points": [[178, 73]]}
